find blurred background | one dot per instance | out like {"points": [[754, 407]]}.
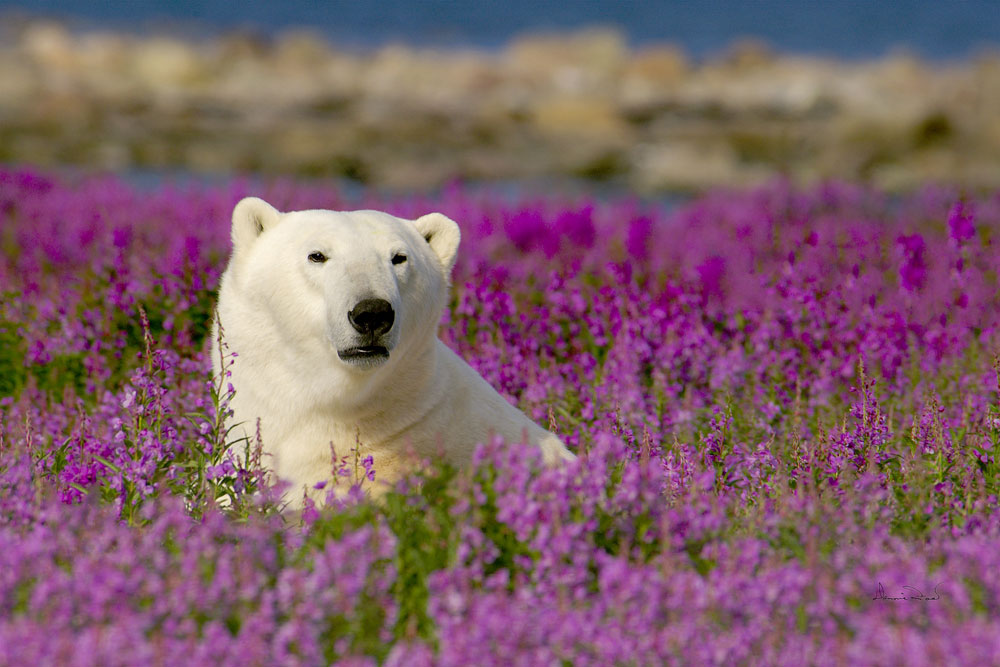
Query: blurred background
{"points": [[406, 95]]}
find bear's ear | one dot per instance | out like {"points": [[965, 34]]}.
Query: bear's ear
{"points": [[441, 232], [251, 218]]}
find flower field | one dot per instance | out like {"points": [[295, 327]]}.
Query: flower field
{"points": [[785, 403]]}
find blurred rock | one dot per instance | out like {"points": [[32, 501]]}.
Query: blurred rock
{"points": [[160, 63], [546, 107], [649, 76], [748, 54], [692, 166], [50, 45], [590, 118], [298, 49], [578, 63]]}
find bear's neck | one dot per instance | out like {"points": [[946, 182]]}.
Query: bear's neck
{"points": [[415, 384]]}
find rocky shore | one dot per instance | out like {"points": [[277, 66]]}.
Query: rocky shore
{"points": [[583, 105]]}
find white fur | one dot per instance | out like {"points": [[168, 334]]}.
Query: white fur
{"points": [[286, 317]]}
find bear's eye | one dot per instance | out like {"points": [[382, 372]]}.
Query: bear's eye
{"points": [[317, 257], [398, 258]]}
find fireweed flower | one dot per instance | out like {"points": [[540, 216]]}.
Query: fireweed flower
{"points": [[961, 225], [912, 270], [784, 403]]}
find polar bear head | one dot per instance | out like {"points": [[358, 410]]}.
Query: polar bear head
{"points": [[351, 291]]}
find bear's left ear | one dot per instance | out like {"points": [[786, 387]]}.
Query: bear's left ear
{"points": [[441, 232]]}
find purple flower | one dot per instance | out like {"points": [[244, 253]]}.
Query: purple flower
{"points": [[638, 236], [770, 426], [961, 222], [711, 273], [577, 226], [912, 269]]}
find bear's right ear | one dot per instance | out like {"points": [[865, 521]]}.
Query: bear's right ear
{"points": [[251, 218]]}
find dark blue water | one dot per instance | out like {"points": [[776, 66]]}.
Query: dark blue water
{"points": [[934, 29]]}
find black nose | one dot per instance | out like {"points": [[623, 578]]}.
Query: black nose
{"points": [[372, 317]]}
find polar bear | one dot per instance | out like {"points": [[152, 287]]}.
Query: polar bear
{"points": [[333, 317]]}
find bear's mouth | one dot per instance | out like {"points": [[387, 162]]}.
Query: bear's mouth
{"points": [[364, 354]]}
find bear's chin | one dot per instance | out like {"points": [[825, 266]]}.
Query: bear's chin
{"points": [[364, 356]]}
